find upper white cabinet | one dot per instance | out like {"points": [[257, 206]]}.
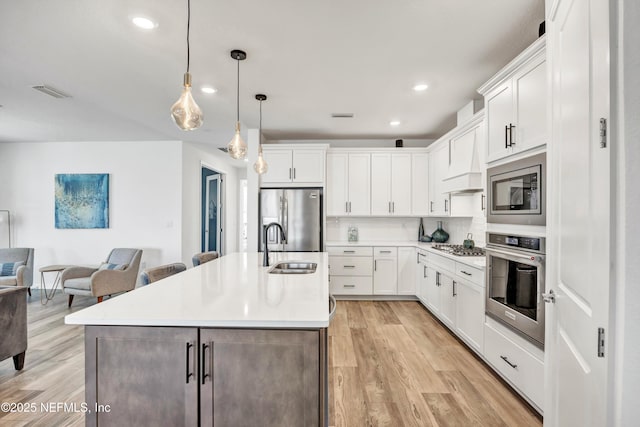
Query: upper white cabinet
{"points": [[515, 104], [420, 184], [391, 184], [465, 163], [294, 166], [438, 170], [348, 184]]}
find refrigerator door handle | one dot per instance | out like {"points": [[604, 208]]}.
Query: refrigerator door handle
{"points": [[285, 224]]}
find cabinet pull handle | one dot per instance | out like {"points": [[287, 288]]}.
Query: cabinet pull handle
{"points": [[437, 278], [464, 272], [511, 142], [385, 252], [346, 207], [424, 271], [514, 366], [349, 286], [375, 265], [430, 206], [454, 288], [349, 252], [203, 363], [482, 201], [445, 205], [393, 207], [349, 207], [294, 173], [349, 266], [506, 132], [389, 206], [189, 374]]}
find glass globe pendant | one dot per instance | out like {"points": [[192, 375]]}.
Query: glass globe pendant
{"points": [[237, 147], [185, 112]]}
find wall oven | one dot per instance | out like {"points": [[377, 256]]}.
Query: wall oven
{"points": [[515, 283], [517, 192]]}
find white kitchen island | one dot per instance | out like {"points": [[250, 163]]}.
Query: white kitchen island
{"points": [[225, 343]]}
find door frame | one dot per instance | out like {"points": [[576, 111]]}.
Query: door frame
{"points": [[217, 178], [204, 208]]}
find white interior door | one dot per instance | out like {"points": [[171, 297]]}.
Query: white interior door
{"points": [[213, 224], [578, 229]]}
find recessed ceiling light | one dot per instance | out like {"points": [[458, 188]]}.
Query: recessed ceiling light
{"points": [[144, 23], [420, 87], [394, 123], [208, 89]]}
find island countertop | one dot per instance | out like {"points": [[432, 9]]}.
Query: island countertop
{"points": [[233, 291]]}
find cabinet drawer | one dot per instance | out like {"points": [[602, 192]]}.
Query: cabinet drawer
{"points": [[385, 251], [350, 266], [444, 263], [518, 365], [350, 250], [473, 274], [351, 285]]}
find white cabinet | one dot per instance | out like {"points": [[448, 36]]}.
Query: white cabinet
{"points": [[420, 184], [348, 184], [465, 166], [385, 271], [433, 291], [391, 184], [421, 279], [470, 313], [447, 299], [300, 166], [406, 271], [438, 169], [350, 270], [515, 104]]}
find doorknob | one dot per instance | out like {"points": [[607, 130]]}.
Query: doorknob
{"points": [[549, 297]]}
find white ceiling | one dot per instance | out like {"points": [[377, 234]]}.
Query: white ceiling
{"points": [[312, 58]]}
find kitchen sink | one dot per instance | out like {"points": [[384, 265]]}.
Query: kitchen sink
{"points": [[294, 267]]}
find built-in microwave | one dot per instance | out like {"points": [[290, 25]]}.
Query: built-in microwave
{"points": [[516, 192]]}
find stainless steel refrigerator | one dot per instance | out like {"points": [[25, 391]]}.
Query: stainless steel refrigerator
{"points": [[299, 211]]}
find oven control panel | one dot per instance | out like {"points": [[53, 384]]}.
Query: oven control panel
{"points": [[534, 244]]}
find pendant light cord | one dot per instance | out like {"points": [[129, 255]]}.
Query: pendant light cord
{"points": [[188, 27], [260, 126], [238, 93]]}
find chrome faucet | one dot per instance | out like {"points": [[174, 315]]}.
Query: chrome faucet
{"points": [[265, 230]]}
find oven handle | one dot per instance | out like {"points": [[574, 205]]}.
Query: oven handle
{"points": [[524, 258]]}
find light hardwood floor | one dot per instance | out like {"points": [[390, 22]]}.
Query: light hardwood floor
{"points": [[390, 363]]}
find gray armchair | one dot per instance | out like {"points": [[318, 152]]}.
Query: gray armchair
{"points": [[13, 324], [118, 274], [20, 274]]}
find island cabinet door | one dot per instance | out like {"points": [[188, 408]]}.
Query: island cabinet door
{"points": [[141, 376], [260, 378]]}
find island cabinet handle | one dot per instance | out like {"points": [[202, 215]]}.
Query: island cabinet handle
{"points": [[349, 286], [203, 363], [349, 252], [464, 272], [189, 374], [349, 266]]}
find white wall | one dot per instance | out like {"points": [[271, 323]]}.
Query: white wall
{"points": [[194, 156], [144, 202]]}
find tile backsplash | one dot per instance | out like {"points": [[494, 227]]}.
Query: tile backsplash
{"points": [[401, 229]]}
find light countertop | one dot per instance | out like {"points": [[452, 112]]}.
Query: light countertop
{"points": [[474, 261], [231, 291]]}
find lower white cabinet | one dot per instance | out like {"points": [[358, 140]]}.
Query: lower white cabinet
{"points": [[470, 313], [350, 270], [385, 271], [406, 271], [448, 301], [515, 362], [433, 291]]}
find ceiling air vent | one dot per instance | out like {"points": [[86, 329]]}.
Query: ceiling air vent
{"points": [[223, 149], [342, 115], [51, 91]]}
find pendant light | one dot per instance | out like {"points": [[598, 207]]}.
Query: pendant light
{"points": [[237, 148], [185, 112], [260, 166]]}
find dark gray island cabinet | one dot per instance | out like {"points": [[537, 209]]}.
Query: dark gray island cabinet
{"points": [[188, 376]]}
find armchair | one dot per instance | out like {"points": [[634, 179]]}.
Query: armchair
{"points": [[13, 324], [16, 267], [118, 274]]}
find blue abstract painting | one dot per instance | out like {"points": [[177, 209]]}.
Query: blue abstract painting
{"points": [[82, 200]]}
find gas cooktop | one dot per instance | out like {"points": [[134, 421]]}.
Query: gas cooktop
{"points": [[458, 250]]}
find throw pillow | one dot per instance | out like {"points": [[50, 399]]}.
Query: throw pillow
{"points": [[108, 266], [10, 268]]}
